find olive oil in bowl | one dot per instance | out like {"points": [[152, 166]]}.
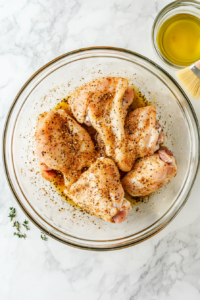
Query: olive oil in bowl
{"points": [[178, 39]]}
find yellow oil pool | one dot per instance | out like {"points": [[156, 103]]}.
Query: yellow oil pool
{"points": [[178, 39]]}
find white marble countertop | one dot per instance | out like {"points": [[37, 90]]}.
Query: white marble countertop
{"points": [[166, 266]]}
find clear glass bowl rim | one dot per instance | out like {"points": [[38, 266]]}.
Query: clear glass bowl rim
{"points": [[131, 243]]}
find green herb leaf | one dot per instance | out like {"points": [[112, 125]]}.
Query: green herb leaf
{"points": [[20, 235], [17, 225], [25, 225], [12, 213], [43, 236]]}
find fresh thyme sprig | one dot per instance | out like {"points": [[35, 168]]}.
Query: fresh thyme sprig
{"points": [[20, 235], [43, 236], [12, 213], [16, 224], [25, 224]]}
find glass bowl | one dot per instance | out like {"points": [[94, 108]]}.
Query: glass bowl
{"points": [[38, 198], [172, 9]]}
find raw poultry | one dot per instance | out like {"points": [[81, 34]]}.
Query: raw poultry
{"points": [[99, 192], [103, 104], [128, 141], [150, 173], [62, 145]]}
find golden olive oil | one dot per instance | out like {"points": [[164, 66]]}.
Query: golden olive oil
{"points": [[139, 99], [63, 105], [60, 189], [178, 39]]}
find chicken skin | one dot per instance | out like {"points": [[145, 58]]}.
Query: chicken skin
{"points": [[99, 192], [103, 103], [144, 134], [62, 145], [88, 150], [150, 173]]}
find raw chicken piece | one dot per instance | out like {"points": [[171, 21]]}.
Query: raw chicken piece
{"points": [[99, 192], [81, 97], [103, 103], [101, 146], [143, 132], [62, 145], [150, 173], [46, 172]]}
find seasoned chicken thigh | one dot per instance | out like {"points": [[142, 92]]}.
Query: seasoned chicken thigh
{"points": [[150, 173], [62, 145], [103, 103], [99, 192], [144, 134]]}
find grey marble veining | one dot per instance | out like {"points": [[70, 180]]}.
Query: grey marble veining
{"points": [[166, 266]]}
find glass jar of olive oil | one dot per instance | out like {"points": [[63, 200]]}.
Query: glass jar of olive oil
{"points": [[176, 33]]}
